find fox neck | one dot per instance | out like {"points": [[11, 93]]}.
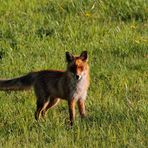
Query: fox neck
{"points": [[77, 88]]}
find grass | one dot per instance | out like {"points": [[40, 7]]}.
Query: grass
{"points": [[34, 35]]}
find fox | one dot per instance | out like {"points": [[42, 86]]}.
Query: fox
{"points": [[51, 86]]}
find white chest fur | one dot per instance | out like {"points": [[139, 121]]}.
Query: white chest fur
{"points": [[78, 88]]}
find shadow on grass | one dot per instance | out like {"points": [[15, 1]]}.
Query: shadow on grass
{"points": [[41, 32]]}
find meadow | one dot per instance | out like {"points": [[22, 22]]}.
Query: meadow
{"points": [[35, 35]]}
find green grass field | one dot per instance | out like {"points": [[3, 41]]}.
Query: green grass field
{"points": [[34, 35]]}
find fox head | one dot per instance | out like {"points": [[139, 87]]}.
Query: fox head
{"points": [[77, 65]]}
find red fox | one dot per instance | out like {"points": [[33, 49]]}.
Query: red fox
{"points": [[52, 85]]}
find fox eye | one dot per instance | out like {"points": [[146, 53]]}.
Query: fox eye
{"points": [[81, 67], [73, 69]]}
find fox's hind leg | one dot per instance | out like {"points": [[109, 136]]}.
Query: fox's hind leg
{"points": [[42, 99], [53, 102], [41, 105]]}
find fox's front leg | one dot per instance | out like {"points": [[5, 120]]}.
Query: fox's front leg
{"points": [[71, 105], [81, 106]]}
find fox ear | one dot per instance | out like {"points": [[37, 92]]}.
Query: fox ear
{"points": [[69, 57], [84, 56]]}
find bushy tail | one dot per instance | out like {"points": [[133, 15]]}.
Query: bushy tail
{"points": [[20, 83]]}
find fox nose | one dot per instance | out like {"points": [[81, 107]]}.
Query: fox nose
{"points": [[78, 77]]}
